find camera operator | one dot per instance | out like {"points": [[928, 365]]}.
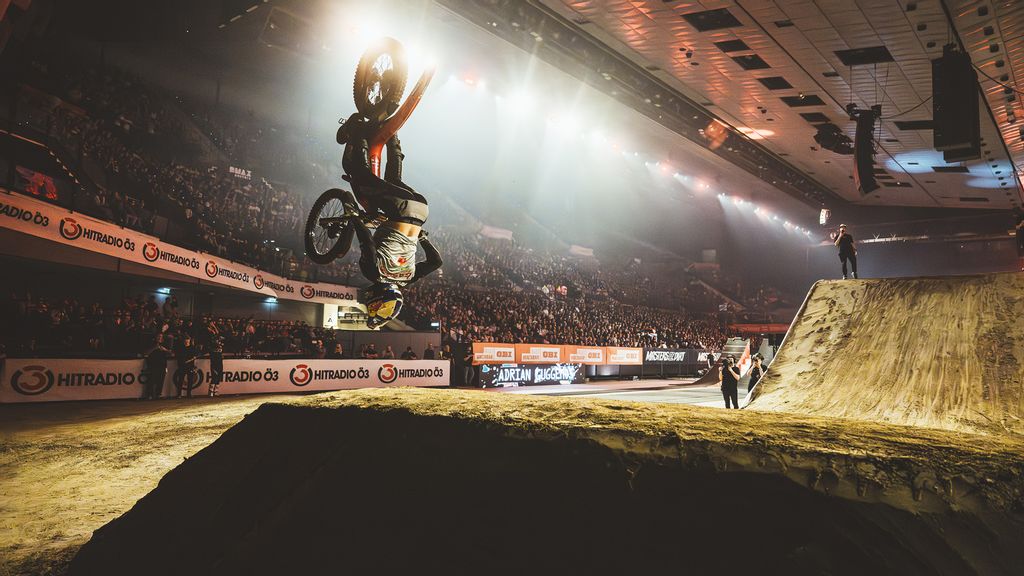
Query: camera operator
{"points": [[728, 378], [847, 250], [756, 371]]}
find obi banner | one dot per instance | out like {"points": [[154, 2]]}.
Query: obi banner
{"points": [[539, 354], [494, 353], [37, 218], [593, 355], [625, 356], [44, 380]]}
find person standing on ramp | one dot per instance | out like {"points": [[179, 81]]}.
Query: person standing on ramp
{"points": [[847, 250]]}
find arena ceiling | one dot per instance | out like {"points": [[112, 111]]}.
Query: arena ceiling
{"points": [[771, 70], [774, 69]]}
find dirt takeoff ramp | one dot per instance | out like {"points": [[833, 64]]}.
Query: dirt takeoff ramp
{"points": [[936, 352], [406, 481]]}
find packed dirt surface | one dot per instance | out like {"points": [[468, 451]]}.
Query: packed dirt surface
{"points": [[935, 352], [68, 468], [300, 488]]}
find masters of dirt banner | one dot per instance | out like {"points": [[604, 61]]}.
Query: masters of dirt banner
{"points": [[37, 218], [45, 380]]}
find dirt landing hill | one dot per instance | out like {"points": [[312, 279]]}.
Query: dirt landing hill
{"points": [[935, 352]]}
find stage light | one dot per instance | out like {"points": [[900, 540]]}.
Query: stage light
{"points": [[270, 300], [163, 290]]}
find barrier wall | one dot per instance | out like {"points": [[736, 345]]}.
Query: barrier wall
{"points": [[45, 380]]}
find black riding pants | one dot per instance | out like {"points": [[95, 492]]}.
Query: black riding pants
{"points": [[843, 257]]}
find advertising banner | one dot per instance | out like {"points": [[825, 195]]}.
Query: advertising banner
{"points": [[759, 328], [625, 356], [666, 356], [44, 380], [539, 354], [493, 353], [505, 375], [592, 355], [37, 218]]}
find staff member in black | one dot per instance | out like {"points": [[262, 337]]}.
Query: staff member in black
{"points": [[186, 354], [728, 378], [156, 368], [847, 251]]}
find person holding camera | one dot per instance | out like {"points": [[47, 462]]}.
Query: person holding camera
{"points": [[847, 250], [728, 379], [756, 371]]}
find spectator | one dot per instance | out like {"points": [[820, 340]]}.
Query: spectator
{"points": [[337, 352], [388, 353], [428, 354], [409, 354], [370, 352]]}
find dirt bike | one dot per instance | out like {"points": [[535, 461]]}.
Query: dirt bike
{"points": [[380, 80]]}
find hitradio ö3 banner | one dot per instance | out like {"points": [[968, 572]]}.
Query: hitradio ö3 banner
{"points": [[37, 218], [44, 380], [501, 375]]}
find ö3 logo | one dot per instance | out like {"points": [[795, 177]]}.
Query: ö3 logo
{"points": [[257, 281], [150, 252], [387, 373], [32, 380], [70, 229], [301, 375], [307, 291], [211, 269]]}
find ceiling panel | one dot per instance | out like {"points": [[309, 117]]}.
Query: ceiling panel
{"points": [[652, 32]]}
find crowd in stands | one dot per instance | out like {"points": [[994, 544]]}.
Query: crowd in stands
{"points": [[468, 314], [215, 211], [36, 326], [489, 290]]}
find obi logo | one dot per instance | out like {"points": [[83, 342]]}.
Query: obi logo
{"points": [[307, 291], [301, 375], [150, 252], [70, 229], [387, 373], [211, 269], [32, 380], [549, 354], [257, 281]]}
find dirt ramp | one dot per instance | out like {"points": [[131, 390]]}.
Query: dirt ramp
{"points": [[393, 481], [937, 352]]}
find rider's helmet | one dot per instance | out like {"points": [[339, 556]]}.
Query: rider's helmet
{"points": [[383, 302]]}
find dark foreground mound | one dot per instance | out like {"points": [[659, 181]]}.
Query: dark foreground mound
{"points": [[431, 482]]}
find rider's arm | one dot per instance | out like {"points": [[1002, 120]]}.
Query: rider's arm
{"points": [[433, 261], [393, 168]]}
